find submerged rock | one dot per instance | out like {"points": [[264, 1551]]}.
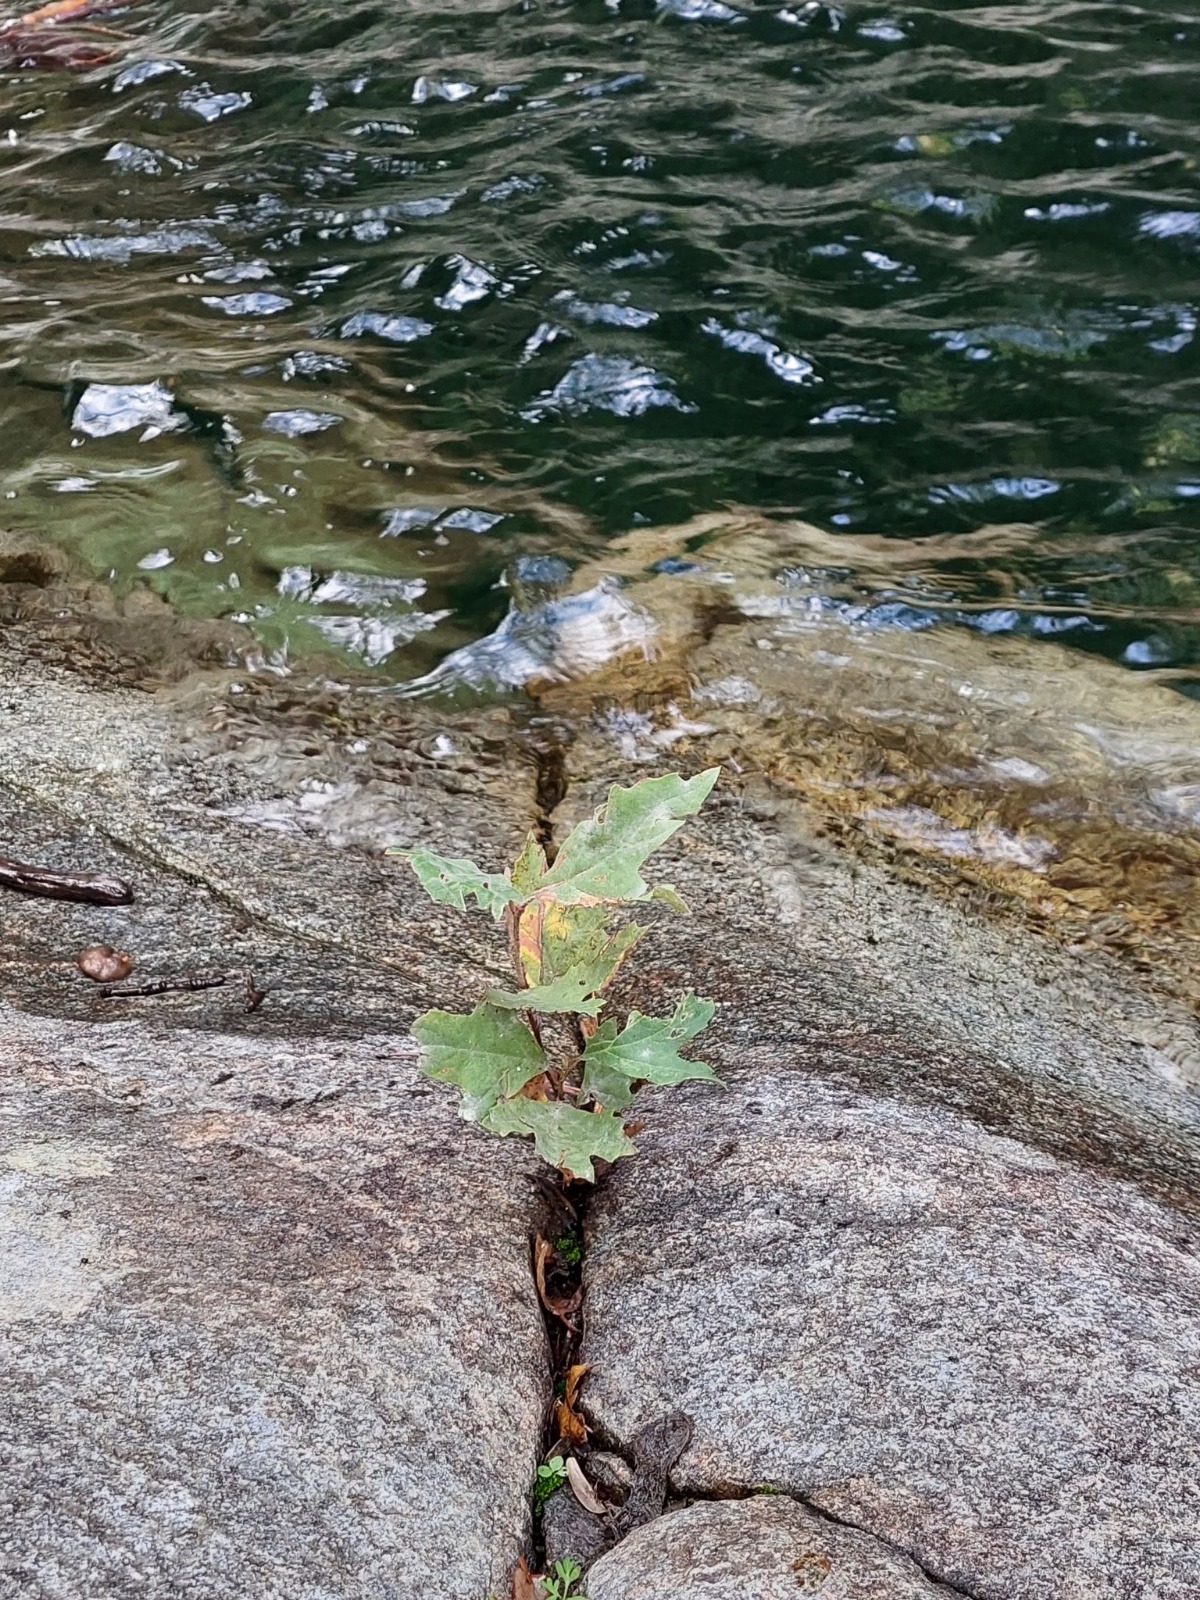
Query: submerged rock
{"points": [[1056, 788], [28, 562]]}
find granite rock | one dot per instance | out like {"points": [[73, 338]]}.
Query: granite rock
{"points": [[267, 1325], [765, 1548], [981, 1355]]}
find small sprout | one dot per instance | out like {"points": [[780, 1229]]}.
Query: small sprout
{"points": [[560, 1585], [536, 1059], [549, 1479], [102, 964]]}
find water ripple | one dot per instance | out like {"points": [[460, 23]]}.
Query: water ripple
{"points": [[906, 271]]}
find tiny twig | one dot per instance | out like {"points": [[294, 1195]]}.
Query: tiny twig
{"points": [[92, 888], [193, 983], [189, 985]]}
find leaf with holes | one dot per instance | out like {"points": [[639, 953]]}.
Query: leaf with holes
{"points": [[489, 1055], [602, 859], [602, 1084], [566, 1137], [453, 880], [535, 1059]]}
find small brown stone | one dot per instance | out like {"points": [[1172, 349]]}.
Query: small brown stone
{"points": [[102, 964]]}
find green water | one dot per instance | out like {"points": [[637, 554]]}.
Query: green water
{"points": [[355, 321]]}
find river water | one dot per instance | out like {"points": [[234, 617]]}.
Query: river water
{"points": [[353, 321]]}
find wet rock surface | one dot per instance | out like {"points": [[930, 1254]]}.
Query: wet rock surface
{"points": [[982, 1356], [765, 1548], [1056, 790], [251, 817], [833, 967], [929, 1263], [267, 1323]]}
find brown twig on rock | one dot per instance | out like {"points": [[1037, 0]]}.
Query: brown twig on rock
{"points": [[92, 888], [192, 983]]}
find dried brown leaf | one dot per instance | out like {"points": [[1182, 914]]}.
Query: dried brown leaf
{"points": [[559, 1305], [63, 11], [568, 1418], [524, 1584], [569, 1423], [575, 1377], [582, 1489]]}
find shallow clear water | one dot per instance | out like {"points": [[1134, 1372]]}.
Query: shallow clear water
{"points": [[355, 319]]}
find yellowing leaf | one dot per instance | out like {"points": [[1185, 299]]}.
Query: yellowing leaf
{"points": [[529, 865], [600, 863], [578, 988], [570, 934], [564, 1136], [530, 942], [647, 1048], [489, 1055]]}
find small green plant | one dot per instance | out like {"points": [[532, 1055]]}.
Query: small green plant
{"points": [[560, 1585], [548, 1480], [536, 1059], [569, 1249]]}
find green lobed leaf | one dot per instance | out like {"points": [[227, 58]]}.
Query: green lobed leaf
{"points": [[670, 897], [566, 1137], [571, 992], [600, 862], [452, 880], [489, 1055], [603, 1085], [646, 1048]]}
